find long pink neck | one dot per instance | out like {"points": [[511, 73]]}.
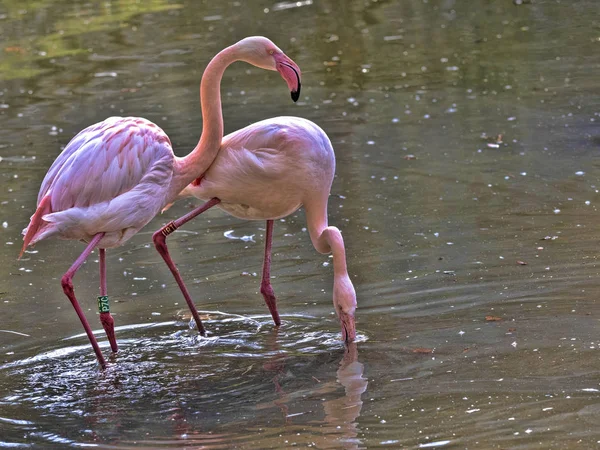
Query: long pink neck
{"points": [[199, 160]]}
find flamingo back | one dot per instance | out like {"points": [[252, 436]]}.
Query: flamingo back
{"points": [[267, 170], [112, 177]]}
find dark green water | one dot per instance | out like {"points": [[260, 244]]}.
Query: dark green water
{"points": [[437, 218]]}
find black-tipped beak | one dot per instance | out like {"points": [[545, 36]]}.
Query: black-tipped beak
{"points": [[296, 94]]}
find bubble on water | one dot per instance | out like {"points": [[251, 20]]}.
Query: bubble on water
{"points": [[580, 173]]}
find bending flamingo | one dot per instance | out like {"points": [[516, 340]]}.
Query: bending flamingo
{"points": [[267, 171], [116, 175]]}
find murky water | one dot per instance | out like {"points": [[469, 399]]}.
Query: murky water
{"points": [[467, 187]]}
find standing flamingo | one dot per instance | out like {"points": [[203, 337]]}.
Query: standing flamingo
{"points": [[116, 175], [266, 171]]}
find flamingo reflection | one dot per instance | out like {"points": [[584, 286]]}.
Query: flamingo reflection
{"points": [[341, 413]]}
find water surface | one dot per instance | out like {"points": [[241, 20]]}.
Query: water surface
{"points": [[467, 184]]}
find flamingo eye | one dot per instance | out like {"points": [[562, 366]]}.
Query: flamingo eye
{"points": [[271, 51]]}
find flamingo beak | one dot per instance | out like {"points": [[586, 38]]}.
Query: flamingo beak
{"points": [[290, 72], [348, 327]]}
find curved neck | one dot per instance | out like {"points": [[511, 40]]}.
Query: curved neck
{"points": [[325, 239], [210, 101], [333, 237], [199, 160]]}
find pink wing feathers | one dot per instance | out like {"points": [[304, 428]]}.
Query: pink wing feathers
{"points": [[107, 173]]}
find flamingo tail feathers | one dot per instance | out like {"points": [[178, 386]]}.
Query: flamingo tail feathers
{"points": [[36, 222]]}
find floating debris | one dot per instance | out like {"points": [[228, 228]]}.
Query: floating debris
{"points": [[422, 350], [492, 139], [493, 319]]}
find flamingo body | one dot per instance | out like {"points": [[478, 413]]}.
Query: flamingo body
{"points": [[115, 176], [112, 177], [267, 170]]}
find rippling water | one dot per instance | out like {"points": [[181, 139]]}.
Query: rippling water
{"points": [[467, 188]]}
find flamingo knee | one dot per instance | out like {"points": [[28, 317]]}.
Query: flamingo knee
{"points": [[159, 240], [67, 285]]}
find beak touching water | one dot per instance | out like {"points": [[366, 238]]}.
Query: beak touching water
{"points": [[290, 72], [348, 327]]}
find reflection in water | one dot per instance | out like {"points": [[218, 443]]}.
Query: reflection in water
{"points": [[342, 412], [276, 365], [198, 386]]}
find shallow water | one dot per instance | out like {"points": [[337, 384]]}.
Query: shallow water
{"points": [[445, 222]]}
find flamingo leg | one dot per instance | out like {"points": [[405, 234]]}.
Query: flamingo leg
{"points": [[265, 286], [106, 319], [67, 285], [160, 242]]}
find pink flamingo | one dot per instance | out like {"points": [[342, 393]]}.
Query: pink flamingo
{"points": [[116, 175], [266, 171]]}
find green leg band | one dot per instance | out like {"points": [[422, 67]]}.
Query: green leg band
{"points": [[103, 304]]}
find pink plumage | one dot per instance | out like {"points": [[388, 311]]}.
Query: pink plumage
{"points": [[115, 176], [112, 177]]}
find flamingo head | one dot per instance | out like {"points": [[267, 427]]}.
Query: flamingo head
{"points": [[344, 303], [261, 52]]}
